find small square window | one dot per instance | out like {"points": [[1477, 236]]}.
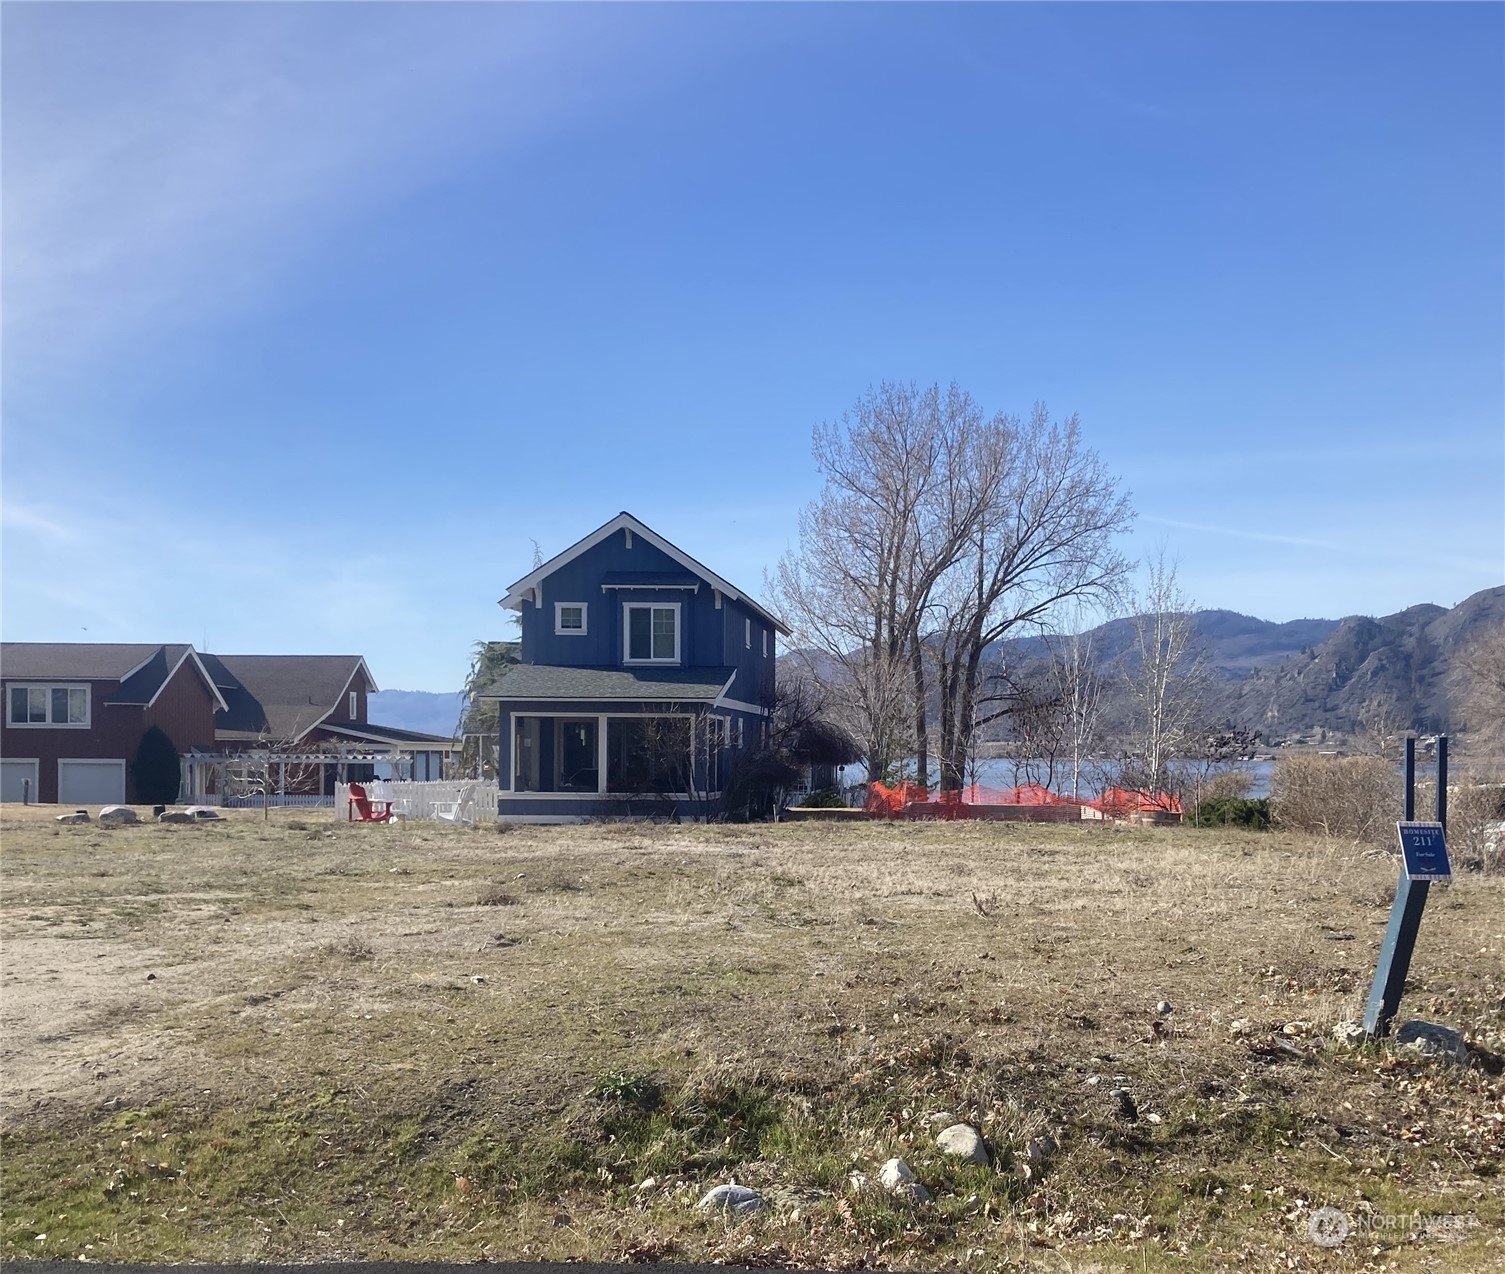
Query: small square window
{"points": [[355, 701], [747, 633], [569, 619]]}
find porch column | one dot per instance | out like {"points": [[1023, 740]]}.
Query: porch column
{"points": [[602, 754]]}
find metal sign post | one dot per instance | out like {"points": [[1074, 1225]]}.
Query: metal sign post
{"points": [[1424, 858]]}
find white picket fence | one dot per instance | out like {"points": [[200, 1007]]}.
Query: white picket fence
{"points": [[475, 801]]}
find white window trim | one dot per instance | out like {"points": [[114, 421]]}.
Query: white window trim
{"points": [[355, 704], [765, 643], [679, 632], [571, 632], [48, 687], [747, 634]]}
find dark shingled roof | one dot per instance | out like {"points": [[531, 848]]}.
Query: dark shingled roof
{"points": [[544, 681], [279, 695], [95, 661], [73, 661], [390, 734]]}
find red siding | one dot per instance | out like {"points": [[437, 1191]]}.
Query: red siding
{"points": [[184, 710]]}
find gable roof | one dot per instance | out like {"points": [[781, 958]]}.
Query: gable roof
{"points": [[624, 521], [285, 696], [143, 670]]}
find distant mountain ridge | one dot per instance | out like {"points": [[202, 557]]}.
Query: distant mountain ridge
{"points": [[1284, 680], [1397, 665], [432, 712]]}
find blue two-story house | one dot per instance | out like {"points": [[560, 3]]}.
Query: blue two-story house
{"points": [[643, 677]]}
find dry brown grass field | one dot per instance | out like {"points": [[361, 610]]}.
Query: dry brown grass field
{"points": [[308, 1041]]}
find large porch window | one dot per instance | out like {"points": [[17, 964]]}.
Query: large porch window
{"points": [[556, 754], [649, 755]]}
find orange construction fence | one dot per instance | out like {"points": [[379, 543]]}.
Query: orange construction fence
{"points": [[915, 800]]}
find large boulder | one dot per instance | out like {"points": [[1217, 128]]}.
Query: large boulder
{"points": [[1432, 1039], [78, 816], [962, 1141], [731, 1198], [176, 816], [117, 815]]}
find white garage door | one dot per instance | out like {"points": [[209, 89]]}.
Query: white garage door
{"points": [[90, 782], [12, 773]]}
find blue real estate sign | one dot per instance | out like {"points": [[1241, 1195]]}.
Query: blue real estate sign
{"points": [[1425, 851]]}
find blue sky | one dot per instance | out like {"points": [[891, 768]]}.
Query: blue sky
{"points": [[314, 316]]}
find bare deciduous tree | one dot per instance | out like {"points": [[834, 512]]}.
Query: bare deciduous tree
{"points": [[938, 533], [1047, 516], [1080, 687], [1478, 691], [892, 516], [1168, 679]]}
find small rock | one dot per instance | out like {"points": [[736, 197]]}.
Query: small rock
{"points": [[732, 1198], [151, 977], [857, 1182], [1348, 1033], [1123, 1104], [476, 977], [175, 816], [117, 815], [1164, 1008], [897, 1177], [647, 1184], [940, 1119], [962, 1141], [1295, 1028], [204, 813], [562, 1219], [1241, 1026], [1094, 1080], [78, 816], [1041, 1151], [1432, 1039]]}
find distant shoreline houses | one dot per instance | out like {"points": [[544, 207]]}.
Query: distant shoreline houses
{"points": [[76, 714]]}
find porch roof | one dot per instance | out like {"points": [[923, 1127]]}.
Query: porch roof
{"points": [[546, 681]]}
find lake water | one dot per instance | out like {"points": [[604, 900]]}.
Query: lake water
{"points": [[1000, 772]]}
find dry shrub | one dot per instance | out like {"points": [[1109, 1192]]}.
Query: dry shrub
{"points": [[1476, 826], [1356, 798], [1233, 785]]}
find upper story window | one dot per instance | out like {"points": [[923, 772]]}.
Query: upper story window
{"points": [[652, 633], [355, 703], [569, 619], [765, 643], [747, 633], [47, 705]]}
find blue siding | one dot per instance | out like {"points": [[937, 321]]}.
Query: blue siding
{"points": [[709, 636]]}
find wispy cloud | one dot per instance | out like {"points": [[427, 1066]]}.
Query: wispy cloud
{"points": [[1371, 548], [44, 523], [166, 164]]}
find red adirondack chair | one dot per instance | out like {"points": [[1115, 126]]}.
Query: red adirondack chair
{"points": [[363, 808]]}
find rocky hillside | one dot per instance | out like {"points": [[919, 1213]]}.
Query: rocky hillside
{"points": [[1396, 666]]}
